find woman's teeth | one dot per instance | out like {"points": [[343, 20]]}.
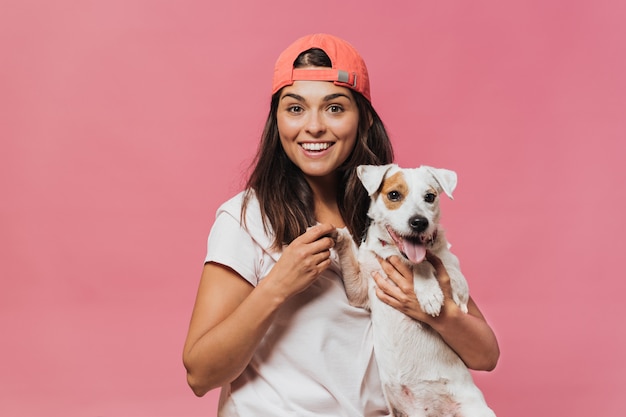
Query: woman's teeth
{"points": [[317, 146]]}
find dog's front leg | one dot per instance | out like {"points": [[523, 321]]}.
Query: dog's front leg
{"points": [[460, 288], [427, 289], [353, 280]]}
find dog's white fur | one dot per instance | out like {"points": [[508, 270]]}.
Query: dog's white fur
{"points": [[421, 375]]}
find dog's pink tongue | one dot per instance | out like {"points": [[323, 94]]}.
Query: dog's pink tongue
{"points": [[415, 252]]}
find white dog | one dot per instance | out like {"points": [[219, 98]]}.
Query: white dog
{"points": [[421, 375]]}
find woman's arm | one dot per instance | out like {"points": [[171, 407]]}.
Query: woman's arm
{"points": [[229, 319], [469, 335], [230, 316]]}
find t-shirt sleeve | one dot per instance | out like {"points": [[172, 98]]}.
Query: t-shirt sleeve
{"points": [[231, 245]]}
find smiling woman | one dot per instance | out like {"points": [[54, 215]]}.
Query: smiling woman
{"points": [[270, 270], [272, 324]]}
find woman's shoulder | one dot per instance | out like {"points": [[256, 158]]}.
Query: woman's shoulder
{"points": [[250, 219], [235, 205]]}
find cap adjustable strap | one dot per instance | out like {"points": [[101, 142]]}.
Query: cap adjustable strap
{"points": [[340, 76]]}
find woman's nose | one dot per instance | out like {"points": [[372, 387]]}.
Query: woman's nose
{"points": [[315, 125]]}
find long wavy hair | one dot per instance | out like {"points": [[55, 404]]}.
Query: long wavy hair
{"points": [[285, 197]]}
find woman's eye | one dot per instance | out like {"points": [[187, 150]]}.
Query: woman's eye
{"points": [[294, 109], [394, 196], [430, 198], [335, 108]]}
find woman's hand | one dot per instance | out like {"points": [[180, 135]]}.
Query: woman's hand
{"points": [[303, 260], [468, 335], [398, 290]]}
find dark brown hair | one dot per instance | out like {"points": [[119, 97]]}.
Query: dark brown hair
{"points": [[285, 197]]}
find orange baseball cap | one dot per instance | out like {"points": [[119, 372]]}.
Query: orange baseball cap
{"points": [[348, 68]]}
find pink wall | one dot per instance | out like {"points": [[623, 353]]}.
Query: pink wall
{"points": [[124, 124]]}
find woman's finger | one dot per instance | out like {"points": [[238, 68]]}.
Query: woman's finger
{"points": [[318, 232], [386, 290], [402, 268], [398, 272]]}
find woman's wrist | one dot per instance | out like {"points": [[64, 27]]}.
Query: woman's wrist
{"points": [[450, 315], [274, 295]]}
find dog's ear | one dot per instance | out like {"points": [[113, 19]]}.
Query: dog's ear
{"points": [[372, 176], [445, 178]]}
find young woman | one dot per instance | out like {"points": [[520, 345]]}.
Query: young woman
{"points": [[271, 323]]}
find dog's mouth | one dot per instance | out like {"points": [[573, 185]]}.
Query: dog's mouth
{"points": [[412, 247]]}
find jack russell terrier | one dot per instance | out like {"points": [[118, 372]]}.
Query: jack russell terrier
{"points": [[421, 375]]}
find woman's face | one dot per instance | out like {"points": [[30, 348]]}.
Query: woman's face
{"points": [[318, 124]]}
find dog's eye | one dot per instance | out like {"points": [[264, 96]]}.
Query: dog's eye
{"points": [[430, 197], [394, 196]]}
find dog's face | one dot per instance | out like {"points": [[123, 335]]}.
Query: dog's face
{"points": [[405, 205]]}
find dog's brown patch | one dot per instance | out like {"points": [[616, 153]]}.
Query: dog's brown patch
{"points": [[397, 183]]}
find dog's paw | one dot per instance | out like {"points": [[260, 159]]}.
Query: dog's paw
{"points": [[431, 300], [431, 305], [427, 289], [343, 239]]}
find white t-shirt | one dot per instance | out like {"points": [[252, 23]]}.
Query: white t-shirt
{"points": [[317, 357]]}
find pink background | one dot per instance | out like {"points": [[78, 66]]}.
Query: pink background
{"points": [[125, 123]]}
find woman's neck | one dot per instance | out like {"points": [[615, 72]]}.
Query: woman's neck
{"points": [[325, 200]]}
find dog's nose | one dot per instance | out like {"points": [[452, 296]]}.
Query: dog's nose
{"points": [[418, 223]]}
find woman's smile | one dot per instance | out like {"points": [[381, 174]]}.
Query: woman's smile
{"points": [[316, 146]]}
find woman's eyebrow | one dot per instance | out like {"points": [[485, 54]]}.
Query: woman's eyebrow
{"points": [[294, 96], [329, 97], [336, 95]]}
